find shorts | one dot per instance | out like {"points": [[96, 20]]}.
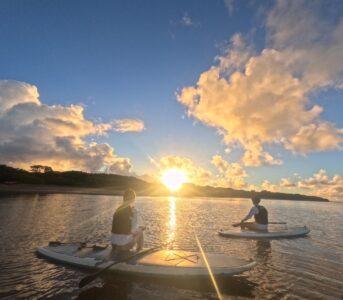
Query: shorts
{"points": [[121, 239]]}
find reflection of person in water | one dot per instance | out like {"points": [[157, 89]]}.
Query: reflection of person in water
{"points": [[118, 290], [264, 260], [260, 214], [264, 249]]}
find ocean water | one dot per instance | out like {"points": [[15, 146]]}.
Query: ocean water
{"points": [[301, 268]]}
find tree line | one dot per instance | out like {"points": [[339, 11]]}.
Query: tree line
{"points": [[45, 175]]}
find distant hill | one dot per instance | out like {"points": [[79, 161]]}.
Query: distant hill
{"points": [[112, 183]]}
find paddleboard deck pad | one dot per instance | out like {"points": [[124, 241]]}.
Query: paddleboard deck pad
{"points": [[291, 232], [159, 263]]}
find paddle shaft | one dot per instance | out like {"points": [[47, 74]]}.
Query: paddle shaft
{"points": [[89, 278], [214, 282], [241, 223], [202, 252]]}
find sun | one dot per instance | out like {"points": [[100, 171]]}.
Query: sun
{"points": [[173, 179]]}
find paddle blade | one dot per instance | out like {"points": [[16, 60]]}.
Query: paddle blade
{"points": [[87, 279]]}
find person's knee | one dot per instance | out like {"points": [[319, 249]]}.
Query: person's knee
{"points": [[250, 226]]}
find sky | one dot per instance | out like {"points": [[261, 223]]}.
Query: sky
{"points": [[241, 94]]}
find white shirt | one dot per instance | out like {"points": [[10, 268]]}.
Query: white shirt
{"points": [[124, 239], [253, 211]]}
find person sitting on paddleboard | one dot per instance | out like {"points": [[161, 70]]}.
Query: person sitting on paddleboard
{"points": [[260, 214], [125, 230]]}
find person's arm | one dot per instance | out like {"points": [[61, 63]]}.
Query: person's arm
{"points": [[134, 221], [253, 211]]}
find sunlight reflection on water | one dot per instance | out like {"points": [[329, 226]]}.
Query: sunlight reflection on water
{"points": [[310, 268], [172, 220]]}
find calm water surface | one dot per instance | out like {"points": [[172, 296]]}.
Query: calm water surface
{"points": [[303, 268]]}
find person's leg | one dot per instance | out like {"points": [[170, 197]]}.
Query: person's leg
{"points": [[245, 225], [122, 251], [256, 227], [139, 239]]}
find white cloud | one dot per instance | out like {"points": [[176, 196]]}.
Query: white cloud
{"points": [[268, 186], [188, 21], [287, 183], [321, 184], [229, 4], [128, 125], [258, 99], [220, 163], [318, 179], [32, 132], [230, 174], [316, 137]]}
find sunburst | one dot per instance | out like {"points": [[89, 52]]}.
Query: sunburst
{"points": [[173, 179]]}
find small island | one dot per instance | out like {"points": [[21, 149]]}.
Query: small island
{"points": [[43, 179]]}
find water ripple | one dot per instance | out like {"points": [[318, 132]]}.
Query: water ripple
{"points": [[305, 268]]}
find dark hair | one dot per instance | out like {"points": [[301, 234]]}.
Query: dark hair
{"points": [[129, 194], [256, 200]]}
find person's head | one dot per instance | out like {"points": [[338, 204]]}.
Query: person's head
{"points": [[255, 200], [129, 196]]}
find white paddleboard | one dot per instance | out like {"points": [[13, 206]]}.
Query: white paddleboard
{"points": [[161, 263], [291, 232]]}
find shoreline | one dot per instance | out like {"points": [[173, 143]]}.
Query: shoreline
{"points": [[21, 188], [55, 189]]}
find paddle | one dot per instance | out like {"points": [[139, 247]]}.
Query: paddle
{"points": [[241, 223], [89, 278], [207, 264], [215, 285]]}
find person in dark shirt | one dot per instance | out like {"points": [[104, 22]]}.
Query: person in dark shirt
{"points": [[260, 214], [125, 230]]}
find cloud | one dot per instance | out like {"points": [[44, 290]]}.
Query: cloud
{"points": [[318, 179], [258, 99], [287, 183], [321, 184], [221, 164], [230, 175], [187, 21], [316, 137], [32, 132], [229, 4], [268, 186], [233, 175], [128, 125]]}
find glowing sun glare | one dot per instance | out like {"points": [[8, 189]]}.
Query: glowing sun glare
{"points": [[173, 179]]}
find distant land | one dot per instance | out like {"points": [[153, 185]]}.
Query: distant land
{"points": [[44, 180]]}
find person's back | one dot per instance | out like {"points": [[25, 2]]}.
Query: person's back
{"points": [[260, 214], [122, 220], [125, 230]]}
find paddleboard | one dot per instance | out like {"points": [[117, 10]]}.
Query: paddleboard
{"points": [[160, 263], [291, 232]]}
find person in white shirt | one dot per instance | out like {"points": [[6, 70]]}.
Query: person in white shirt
{"points": [[125, 230], [260, 214]]}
